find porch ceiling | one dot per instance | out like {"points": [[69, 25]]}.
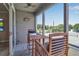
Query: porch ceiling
{"points": [[32, 7], [2, 7], [28, 7]]}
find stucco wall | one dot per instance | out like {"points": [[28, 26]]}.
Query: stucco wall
{"points": [[23, 26]]}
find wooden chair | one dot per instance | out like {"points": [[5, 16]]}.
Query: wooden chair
{"points": [[58, 44]]}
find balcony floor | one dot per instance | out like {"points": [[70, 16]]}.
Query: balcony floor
{"points": [[73, 51], [4, 49]]}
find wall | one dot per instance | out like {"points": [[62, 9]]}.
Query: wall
{"points": [[4, 36], [23, 26]]}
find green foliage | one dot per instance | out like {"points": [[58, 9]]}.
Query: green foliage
{"points": [[46, 27], [60, 27], [39, 28], [76, 27], [57, 28], [70, 27]]}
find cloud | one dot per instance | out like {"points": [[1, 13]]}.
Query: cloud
{"points": [[74, 7]]}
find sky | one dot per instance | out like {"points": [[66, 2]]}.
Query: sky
{"points": [[56, 14]]}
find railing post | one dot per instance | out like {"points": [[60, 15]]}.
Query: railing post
{"points": [[43, 25], [49, 45], [66, 52], [66, 24], [33, 47]]}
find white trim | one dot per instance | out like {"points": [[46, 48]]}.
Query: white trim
{"points": [[13, 7], [14, 24], [12, 28]]}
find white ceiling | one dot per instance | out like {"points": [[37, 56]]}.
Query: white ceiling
{"points": [[23, 7]]}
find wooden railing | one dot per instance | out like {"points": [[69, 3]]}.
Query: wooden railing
{"points": [[38, 48], [58, 44]]}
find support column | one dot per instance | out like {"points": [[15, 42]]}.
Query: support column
{"points": [[35, 22], [43, 25], [66, 17], [14, 24], [10, 31], [66, 24]]}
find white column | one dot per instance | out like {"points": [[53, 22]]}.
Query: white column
{"points": [[14, 24], [14, 29], [10, 31]]}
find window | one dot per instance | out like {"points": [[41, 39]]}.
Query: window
{"points": [[1, 25]]}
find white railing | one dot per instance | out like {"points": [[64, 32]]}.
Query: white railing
{"points": [[74, 38]]}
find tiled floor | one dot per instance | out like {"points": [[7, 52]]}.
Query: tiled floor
{"points": [[4, 52], [72, 51], [4, 49]]}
